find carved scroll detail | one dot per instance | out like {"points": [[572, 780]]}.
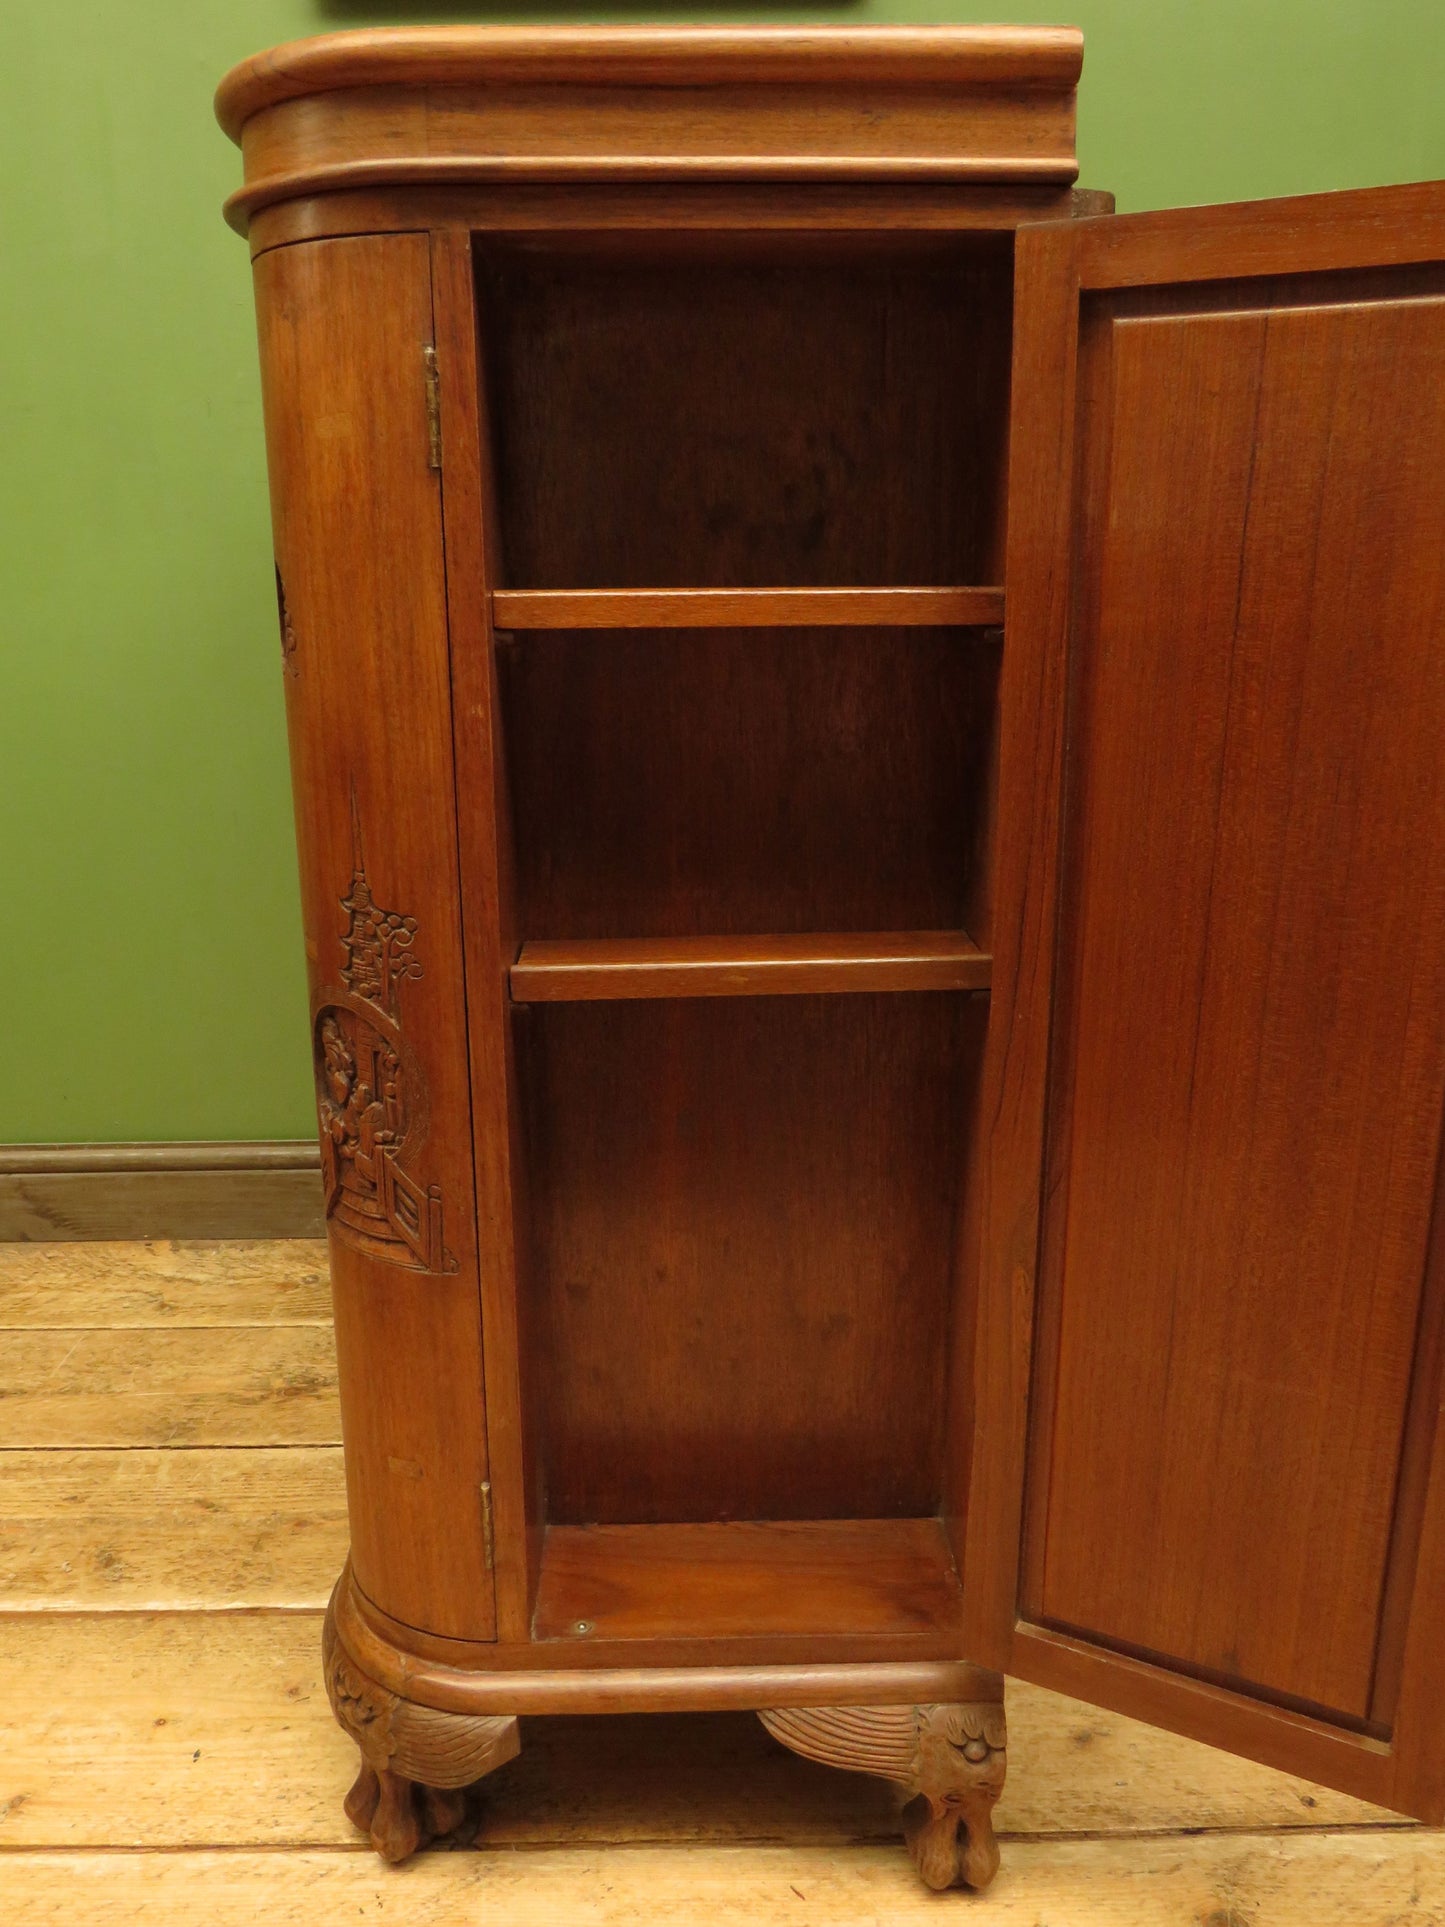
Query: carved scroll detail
{"points": [[950, 1761], [370, 1093], [416, 1761]]}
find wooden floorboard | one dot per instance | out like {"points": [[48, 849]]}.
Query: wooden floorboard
{"points": [[199, 1729], [231, 1385], [167, 1753], [106, 1286], [204, 1528], [1317, 1880]]}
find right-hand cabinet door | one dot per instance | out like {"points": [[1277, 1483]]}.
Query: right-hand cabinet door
{"points": [[1208, 1486]]}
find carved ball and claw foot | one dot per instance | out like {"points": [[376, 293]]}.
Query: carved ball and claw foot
{"points": [[418, 1765], [948, 1760]]}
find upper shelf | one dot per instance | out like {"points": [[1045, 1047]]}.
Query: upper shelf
{"points": [[745, 608]]}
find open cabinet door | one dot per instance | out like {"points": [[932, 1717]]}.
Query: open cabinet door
{"points": [[1208, 1481]]}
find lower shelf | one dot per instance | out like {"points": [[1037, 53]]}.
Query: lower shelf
{"points": [[582, 972], [746, 608], [733, 1580]]}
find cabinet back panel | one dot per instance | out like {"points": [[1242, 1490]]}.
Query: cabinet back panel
{"points": [[680, 783], [1250, 1027], [689, 422], [743, 1219]]}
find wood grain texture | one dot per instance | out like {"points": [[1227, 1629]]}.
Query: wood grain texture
{"points": [[164, 1285], [1254, 1275], [724, 1175], [1323, 1880], [643, 1582], [122, 1531], [1060, 504], [239, 1385], [761, 424], [754, 967], [742, 608]]}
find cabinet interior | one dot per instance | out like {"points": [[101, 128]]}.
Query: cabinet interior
{"points": [[673, 783], [769, 1185], [748, 412]]}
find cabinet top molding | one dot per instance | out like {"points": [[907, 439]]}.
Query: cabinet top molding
{"points": [[461, 105]]}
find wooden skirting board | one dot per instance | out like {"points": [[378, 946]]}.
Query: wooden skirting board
{"points": [[59, 1192]]}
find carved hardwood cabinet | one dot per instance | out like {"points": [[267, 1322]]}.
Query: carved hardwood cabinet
{"points": [[869, 751]]}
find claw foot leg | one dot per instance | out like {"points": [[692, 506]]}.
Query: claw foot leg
{"points": [[949, 1760], [416, 1761]]}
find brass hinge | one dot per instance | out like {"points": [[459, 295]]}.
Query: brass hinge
{"points": [[433, 409], [487, 1522]]}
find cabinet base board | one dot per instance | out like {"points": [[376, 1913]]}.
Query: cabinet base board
{"points": [[420, 1761], [406, 1662]]}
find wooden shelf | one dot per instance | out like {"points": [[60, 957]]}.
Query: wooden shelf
{"points": [[746, 1580], [611, 968], [745, 608]]}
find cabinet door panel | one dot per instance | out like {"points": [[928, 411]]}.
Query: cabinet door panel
{"points": [[1220, 1095], [356, 506]]}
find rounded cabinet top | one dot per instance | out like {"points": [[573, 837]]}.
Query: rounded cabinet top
{"points": [[1043, 57], [438, 106]]}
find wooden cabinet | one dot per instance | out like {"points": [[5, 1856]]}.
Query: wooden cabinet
{"points": [[869, 746]]}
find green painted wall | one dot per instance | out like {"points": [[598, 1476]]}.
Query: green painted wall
{"points": [[152, 963]]}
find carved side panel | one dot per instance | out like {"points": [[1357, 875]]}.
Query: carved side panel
{"points": [[370, 1092], [358, 540]]}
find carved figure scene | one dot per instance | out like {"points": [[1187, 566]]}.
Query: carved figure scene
{"points": [[368, 1092]]}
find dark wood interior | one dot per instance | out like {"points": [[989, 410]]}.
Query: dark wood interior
{"points": [[747, 1580], [682, 783], [728, 415], [782, 469], [767, 1187]]}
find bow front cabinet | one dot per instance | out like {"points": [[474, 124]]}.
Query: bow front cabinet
{"points": [[869, 754]]}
